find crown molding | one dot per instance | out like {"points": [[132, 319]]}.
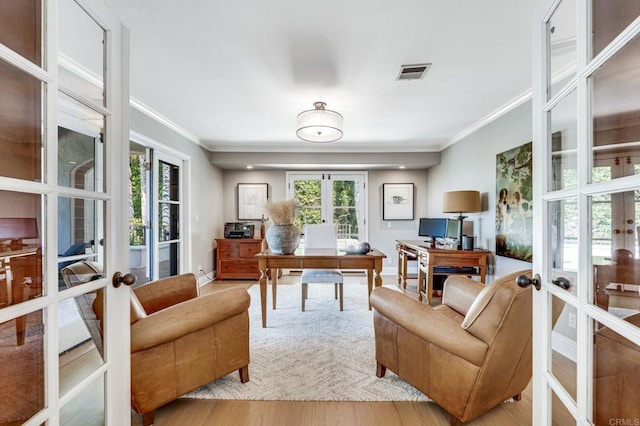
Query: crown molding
{"points": [[146, 110], [509, 106]]}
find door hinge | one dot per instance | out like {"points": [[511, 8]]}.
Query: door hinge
{"points": [[329, 177], [323, 176], [147, 166]]}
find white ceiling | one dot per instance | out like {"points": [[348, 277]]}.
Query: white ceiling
{"points": [[236, 73]]}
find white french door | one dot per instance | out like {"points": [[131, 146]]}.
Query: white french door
{"points": [[64, 114], [158, 231], [168, 231], [332, 197], [586, 122]]}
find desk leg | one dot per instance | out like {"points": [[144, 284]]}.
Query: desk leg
{"points": [[420, 281], [263, 291], [405, 268], [274, 285], [429, 284], [399, 266], [369, 284]]}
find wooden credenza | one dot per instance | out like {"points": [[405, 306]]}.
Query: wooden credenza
{"points": [[236, 258]]}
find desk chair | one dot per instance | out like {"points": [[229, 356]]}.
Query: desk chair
{"points": [[321, 236]]}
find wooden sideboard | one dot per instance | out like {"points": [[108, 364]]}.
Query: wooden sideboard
{"points": [[236, 258]]}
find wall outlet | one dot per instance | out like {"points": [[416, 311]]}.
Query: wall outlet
{"points": [[572, 320]]}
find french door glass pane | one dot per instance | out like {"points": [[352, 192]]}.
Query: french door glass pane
{"points": [[21, 135], [616, 381], [560, 416], [616, 109], [168, 260], [139, 241], [79, 340], [563, 344], [561, 36], [80, 146], [614, 251], [563, 235], [563, 123], [81, 59], [610, 17], [86, 409], [21, 28], [21, 368], [309, 194], [21, 255], [168, 218], [168, 182], [346, 197], [80, 238]]}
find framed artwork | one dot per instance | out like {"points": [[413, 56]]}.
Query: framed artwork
{"points": [[397, 201], [514, 208], [251, 200]]}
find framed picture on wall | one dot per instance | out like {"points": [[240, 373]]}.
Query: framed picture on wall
{"points": [[514, 203], [397, 201], [251, 200]]}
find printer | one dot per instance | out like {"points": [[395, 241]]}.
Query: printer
{"points": [[238, 230]]}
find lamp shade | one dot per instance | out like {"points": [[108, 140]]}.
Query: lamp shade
{"points": [[461, 202], [319, 125]]}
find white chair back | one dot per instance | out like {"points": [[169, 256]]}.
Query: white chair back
{"points": [[320, 236]]}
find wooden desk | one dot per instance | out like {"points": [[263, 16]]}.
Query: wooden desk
{"points": [[314, 259], [430, 258]]}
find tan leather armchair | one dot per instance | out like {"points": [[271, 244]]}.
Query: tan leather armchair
{"points": [[469, 354], [181, 341]]}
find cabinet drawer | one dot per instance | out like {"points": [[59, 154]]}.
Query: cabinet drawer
{"points": [[239, 266], [249, 250], [226, 250]]}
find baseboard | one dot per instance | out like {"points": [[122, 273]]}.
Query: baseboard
{"points": [[205, 279], [564, 346]]}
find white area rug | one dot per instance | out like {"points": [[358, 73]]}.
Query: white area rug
{"points": [[321, 354]]}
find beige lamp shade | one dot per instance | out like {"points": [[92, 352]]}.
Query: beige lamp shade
{"points": [[461, 202]]}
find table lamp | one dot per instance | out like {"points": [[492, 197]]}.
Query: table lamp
{"points": [[461, 202]]}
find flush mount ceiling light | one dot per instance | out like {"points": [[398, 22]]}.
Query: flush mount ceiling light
{"points": [[319, 125]]}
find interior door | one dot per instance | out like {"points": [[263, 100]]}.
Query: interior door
{"points": [[63, 109], [586, 113], [332, 197]]}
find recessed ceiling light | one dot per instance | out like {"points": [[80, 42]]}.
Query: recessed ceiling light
{"points": [[249, 167], [401, 167]]}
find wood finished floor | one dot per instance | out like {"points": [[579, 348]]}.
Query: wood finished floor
{"points": [[284, 413]]}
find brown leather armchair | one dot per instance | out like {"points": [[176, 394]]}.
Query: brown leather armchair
{"points": [[468, 354], [181, 341]]}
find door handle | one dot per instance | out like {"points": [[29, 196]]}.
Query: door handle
{"points": [[629, 231], [525, 281], [616, 231], [562, 282], [119, 279]]}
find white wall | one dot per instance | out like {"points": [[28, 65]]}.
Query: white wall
{"points": [[470, 164]]}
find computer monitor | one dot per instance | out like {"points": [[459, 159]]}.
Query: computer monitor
{"points": [[432, 227], [453, 228]]}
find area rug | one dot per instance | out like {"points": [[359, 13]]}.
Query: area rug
{"points": [[321, 354]]}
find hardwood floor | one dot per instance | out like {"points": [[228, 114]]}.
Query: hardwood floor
{"points": [[215, 412]]}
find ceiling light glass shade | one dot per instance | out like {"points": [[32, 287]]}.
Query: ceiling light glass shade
{"points": [[319, 125]]}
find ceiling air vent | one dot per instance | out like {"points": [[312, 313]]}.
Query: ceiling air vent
{"points": [[413, 72]]}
